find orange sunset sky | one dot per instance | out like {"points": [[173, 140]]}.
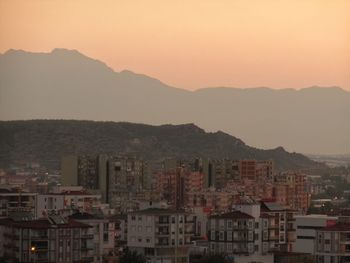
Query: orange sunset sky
{"points": [[195, 43]]}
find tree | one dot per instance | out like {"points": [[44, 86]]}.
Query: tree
{"points": [[132, 257]]}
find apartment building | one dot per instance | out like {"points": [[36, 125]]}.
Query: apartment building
{"points": [[13, 200], [174, 185], [67, 201], [253, 169], [87, 171], [284, 225], [102, 230], [161, 235], [333, 244], [306, 227], [171, 186], [116, 178], [52, 239], [216, 200], [291, 190], [244, 235]]}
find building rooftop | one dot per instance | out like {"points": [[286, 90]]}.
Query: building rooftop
{"points": [[160, 211], [233, 214], [85, 216], [273, 207], [316, 216], [42, 223]]}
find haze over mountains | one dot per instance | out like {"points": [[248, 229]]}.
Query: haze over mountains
{"points": [[65, 84]]}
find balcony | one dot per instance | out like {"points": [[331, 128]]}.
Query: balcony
{"points": [[36, 237], [163, 223], [87, 236], [189, 220], [85, 248], [163, 233], [86, 259], [11, 236]]}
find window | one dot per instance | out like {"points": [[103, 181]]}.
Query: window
{"points": [[133, 239], [133, 218], [222, 224], [229, 247], [148, 240], [222, 247], [105, 237], [250, 224], [139, 228], [212, 223], [229, 224], [229, 235], [148, 229], [133, 228], [140, 218], [212, 235], [265, 235], [139, 239], [250, 235], [265, 223], [212, 246], [256, 247], [221, 236], [105, 226], [256, 224]]}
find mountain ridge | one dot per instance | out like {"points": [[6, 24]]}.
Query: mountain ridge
{"points": [[128, 71], [46, 141], [70, 85]]}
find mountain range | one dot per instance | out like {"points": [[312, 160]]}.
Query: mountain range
{"points": [[65, 84], [47, 141]]}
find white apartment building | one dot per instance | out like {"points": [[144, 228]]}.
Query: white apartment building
{"points": [[333, 244], [244, 235], [161, 235], [66, 201], [102, 232], [306, 228]]}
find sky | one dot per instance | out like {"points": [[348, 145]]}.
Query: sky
{"points": [[195, 43]]}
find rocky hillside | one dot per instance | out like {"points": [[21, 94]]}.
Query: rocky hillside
{"points": [[46, 141]]}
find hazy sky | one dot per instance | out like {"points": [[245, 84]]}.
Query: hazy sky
{"points": [[194, 43]]}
